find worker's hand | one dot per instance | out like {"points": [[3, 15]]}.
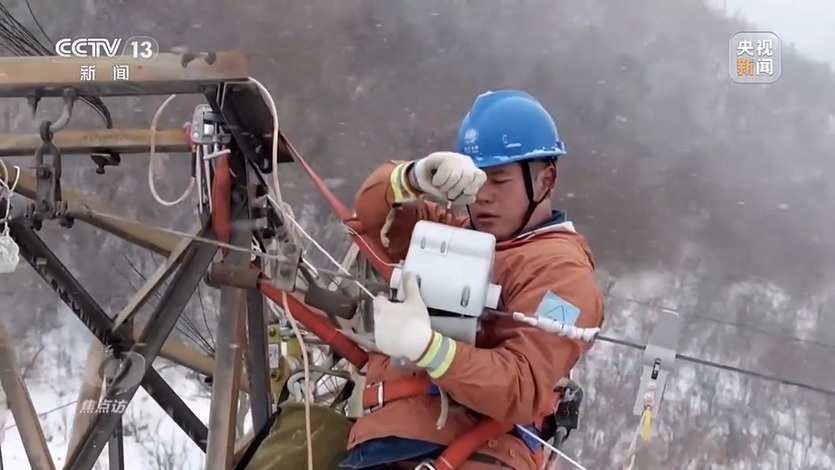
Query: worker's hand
{"points": [[449, 176], [402, 329]]}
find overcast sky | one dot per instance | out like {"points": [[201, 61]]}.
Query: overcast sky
{"points": [[809, 24]]}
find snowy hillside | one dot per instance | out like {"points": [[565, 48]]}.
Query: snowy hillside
{"points": [[152, 440]]}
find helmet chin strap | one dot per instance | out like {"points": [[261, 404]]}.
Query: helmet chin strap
{"points": [[533, 203]]}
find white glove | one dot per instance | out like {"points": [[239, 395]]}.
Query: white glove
{"points": [[402, 329], [449, 176]]}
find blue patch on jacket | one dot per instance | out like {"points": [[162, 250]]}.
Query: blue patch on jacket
{"points": [[556, 308]]}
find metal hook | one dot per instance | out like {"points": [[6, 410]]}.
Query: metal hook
{"points": [[56, 157], [48, 146], [70, 95], [48, 176]]}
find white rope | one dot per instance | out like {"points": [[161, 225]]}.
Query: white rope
{"points": [[7, 191], [550, 447], [325, 252], [153, 158], [307, 395], [279, 199], [9, 251], [632, 453]]}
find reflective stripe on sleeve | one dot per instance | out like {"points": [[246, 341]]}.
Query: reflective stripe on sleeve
{"points": [[399, 185], [438, 357]]}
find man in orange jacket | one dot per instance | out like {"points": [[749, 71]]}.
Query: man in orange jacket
{"points": [[505, 171]]}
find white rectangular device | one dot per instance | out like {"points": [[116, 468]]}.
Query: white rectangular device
{"points": [[455, 268]]}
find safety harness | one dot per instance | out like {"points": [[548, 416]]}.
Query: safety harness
{"points": [[377, 395]]}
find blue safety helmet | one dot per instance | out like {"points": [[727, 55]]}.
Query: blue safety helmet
{"points": [[508, 126]]}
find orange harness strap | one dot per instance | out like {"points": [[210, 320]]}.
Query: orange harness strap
{"points": [[317, 325], [222, 202], [221, 195], [459, 451], [372, 250]]}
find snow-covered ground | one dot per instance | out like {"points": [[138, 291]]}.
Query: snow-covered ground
{"points": [[152, 440]]}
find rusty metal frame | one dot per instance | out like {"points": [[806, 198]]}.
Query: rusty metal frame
{"points": [[139, 234], [160, 326], [47, 265], [258, 368], [222, 78], [228, 357], [87, 141], [90, 390], [20, 403], [163, 272]]}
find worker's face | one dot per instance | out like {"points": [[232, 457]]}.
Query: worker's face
{"points": [[501, 203]]}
